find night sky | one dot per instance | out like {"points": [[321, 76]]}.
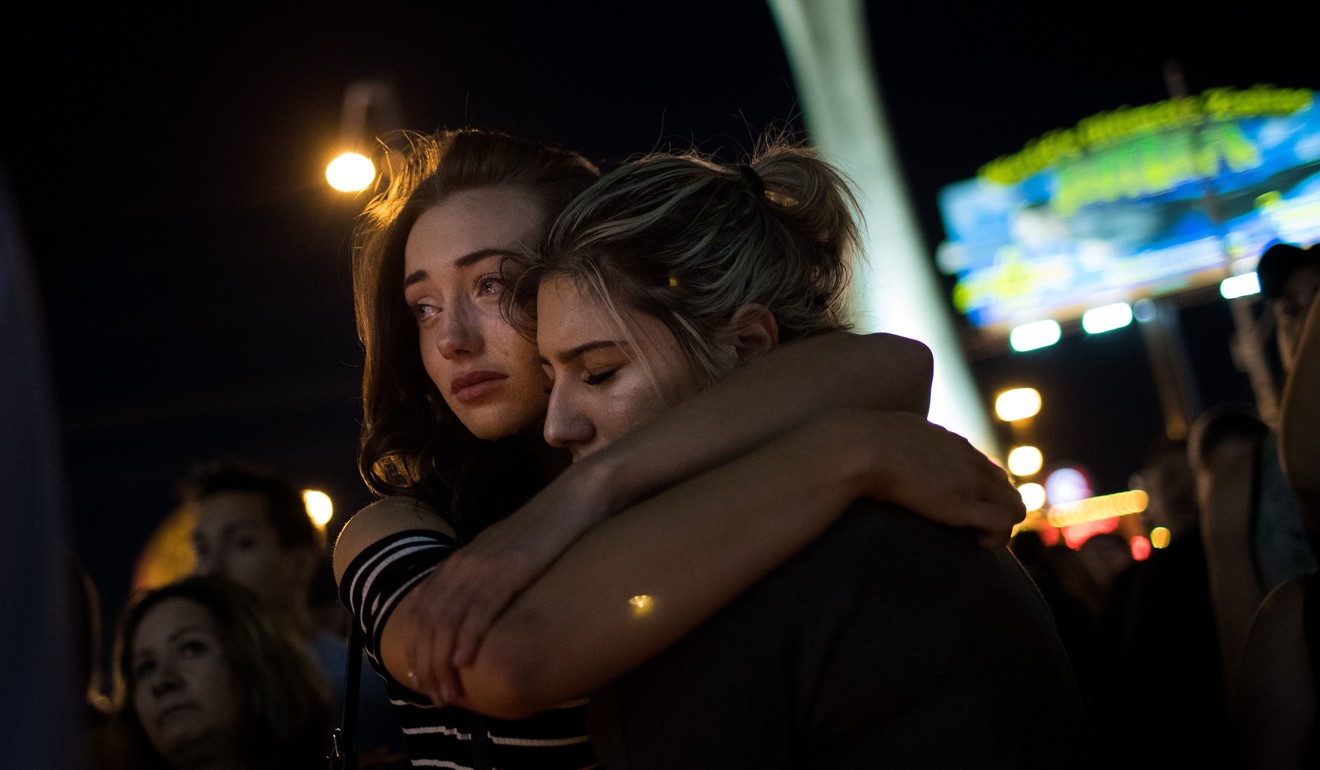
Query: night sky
{"points": [[194, 265]]}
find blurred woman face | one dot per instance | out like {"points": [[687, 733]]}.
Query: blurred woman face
{"points": [[609, 375], [185, 692], [486, 372]]}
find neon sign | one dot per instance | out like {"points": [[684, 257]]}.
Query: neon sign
{"points": [[1135, 202]]}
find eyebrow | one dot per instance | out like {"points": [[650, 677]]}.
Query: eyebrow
{"points": [[172, 637], [188, 630], [572, 353], [463, 261]]}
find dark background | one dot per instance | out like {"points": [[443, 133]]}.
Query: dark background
{"points": [[193, 264]]}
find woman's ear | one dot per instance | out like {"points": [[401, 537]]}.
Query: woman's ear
{"points": [[752, 331]]}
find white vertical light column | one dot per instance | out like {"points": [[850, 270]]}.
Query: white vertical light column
{"points": [[895, 289]]}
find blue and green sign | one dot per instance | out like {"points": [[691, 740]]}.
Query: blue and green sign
{"points": [[1136, 202]]}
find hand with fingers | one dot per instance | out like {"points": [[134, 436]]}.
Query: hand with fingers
{"points": [[939, 475], [456, 605]]}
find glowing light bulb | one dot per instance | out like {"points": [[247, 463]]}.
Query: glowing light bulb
{"points": [[350, 172], [319, 507]]}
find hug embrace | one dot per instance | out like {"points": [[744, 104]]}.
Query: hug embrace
{"points": [[647, 502]]}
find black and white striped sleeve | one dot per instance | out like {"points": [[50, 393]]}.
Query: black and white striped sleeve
{"points": [[383, 573]]}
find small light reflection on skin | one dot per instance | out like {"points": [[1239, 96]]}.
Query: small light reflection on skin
{"points": [[642, 605]]}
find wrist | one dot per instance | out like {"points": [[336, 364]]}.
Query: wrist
{"points": [[844, 443]]}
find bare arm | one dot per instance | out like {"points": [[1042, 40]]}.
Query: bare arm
{"points": [[1299, 441], [581, 624], [755, 402], [1274, 705], [759, 400]]}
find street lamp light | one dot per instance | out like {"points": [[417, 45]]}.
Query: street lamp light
{"points": [[367, 103]]}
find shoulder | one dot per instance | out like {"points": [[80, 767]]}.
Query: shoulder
{"points": [[380, 520]]}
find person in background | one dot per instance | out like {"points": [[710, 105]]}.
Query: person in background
{"points": [[1251, 521], [1167, 704], [1274, 706], [253, 529], [207, 678]]}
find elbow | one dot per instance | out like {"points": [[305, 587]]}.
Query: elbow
{"points": [[508, 679]]}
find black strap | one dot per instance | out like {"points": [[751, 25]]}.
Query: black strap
{"points": [[342, 754]]}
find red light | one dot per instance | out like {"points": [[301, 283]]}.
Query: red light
{"points": [[1140, 547]]}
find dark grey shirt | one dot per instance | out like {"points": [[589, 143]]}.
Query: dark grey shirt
{"points": [[889, 642]]}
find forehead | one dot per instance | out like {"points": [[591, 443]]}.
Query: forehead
{"points": [[503, 218], [236, 507], [170, 616], [568, 314], [1302, 283]]}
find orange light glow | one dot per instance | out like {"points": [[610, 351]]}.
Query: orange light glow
{"points": [[642, 605]]}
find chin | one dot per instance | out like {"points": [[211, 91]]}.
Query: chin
{"points": [[501, 419]]}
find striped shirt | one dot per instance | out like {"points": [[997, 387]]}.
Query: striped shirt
{"points": [[452, 738]]}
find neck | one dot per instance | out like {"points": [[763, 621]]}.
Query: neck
{"points": [[209, 759]]}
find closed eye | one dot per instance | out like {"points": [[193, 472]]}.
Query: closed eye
{"points": [[598, 378]]}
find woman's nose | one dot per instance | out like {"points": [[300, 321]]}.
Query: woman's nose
{"points": [[566, 426], [166, 680], [213, 563], [459, 333]]}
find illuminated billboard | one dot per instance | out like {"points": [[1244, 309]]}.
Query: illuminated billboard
{"points": [[1136, 202]]}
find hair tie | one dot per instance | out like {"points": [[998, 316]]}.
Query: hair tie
{"points": [[752, 178]]}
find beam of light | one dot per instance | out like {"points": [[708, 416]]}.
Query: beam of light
{"points": [[1035, 335], [1106, 318], [319, 507], [1236, 286], [1017, 404], [350, 172], [896, 288], [1096, 508]]}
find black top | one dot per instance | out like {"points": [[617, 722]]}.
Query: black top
{"points": [[889, 642]]}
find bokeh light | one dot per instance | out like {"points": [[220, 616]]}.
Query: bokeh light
{"points": [[319, 507], [1017, 404], [1025, 461], [1033, 496], [350, 172]]}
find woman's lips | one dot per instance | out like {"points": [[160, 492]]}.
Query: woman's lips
{"points": [[172, 711], [473, 385]]}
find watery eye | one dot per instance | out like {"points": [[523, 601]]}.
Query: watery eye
{"points": [[423, 311], [489, 284]]}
